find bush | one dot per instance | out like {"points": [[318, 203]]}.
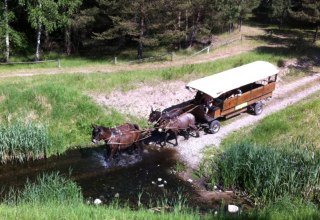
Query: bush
{"points": [[266, 173]]}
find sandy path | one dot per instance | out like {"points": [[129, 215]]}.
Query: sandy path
{"points": [[108, 68], [138, 103]]}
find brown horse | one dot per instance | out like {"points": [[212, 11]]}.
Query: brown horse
{"points": [[120, 137], [125, 140], [184, 122], [158, 116], [104, 133]]}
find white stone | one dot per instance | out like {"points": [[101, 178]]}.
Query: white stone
{"points": [[97, 202], [165, 182], [190, 180], [116, 195], [153, 182], [233, 208], [159, 179], [161, 185], [215, 187]]}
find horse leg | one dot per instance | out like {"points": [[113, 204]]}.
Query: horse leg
{"points": [[141, 146], [113, 151], [186, 134], [108, 150], [195, 129], [175, 133], [166, 135]]}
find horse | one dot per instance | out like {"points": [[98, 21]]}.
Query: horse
{"points": [[184, 122], [125, 140], [158, 116], [104, 133], [118, 138]]}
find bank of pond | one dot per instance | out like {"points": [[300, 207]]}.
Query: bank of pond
{"points": [[268, 183]]}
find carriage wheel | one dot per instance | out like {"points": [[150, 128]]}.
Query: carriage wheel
{"points": [[258, 108], [214, 126]]}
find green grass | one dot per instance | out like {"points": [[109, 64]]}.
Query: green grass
{"points": [[61, 103], [277, 157], [47, 189], [301, 119], [23, 141], [53, 196], [265, 173], [67, 113]]}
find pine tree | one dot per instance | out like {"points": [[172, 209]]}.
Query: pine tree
{"points": [[134, 23], [67, 10], [308, 11]]}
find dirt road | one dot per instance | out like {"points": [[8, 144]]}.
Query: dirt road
{"points": [[138, 103], [191, 151]]}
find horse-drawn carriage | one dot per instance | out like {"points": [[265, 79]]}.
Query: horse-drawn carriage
{"points": [[221, 95], [229, 93]]}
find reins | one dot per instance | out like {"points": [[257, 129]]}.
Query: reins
{"points": [[136, 131], [168, 128]]}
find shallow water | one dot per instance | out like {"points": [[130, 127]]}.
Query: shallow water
{"points": [[127, 176]]}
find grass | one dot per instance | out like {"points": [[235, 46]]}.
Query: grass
{"points": [[23, 141], [47, 189], [301, 119], [53, 196], [61, 103], [67, 113], [278, 157], [265, 173]]}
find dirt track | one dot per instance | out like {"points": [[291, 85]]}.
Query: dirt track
{"points": [[191, 151]]}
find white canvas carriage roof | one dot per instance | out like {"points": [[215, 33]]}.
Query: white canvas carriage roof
{"points": [[219, 83]]}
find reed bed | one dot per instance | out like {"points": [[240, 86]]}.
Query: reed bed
{"points": [[49, 188], [53, 196], [264, 173], [23, 141]]}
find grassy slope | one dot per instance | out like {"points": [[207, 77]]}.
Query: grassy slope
{"points": [[82, 211], [298, 120], [59, 101]]}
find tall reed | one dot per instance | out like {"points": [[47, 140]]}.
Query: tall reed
{"points": [[265, 173], [49, 188], [23, 141]]}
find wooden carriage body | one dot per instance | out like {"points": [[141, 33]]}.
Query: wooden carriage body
{"points": [[231, 92]]}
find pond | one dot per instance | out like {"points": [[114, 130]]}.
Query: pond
{"points": [[149, 178]]}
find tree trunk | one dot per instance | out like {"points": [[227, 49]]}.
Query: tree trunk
{"points": [[7, 53], [46, 41], [240, 23], [67, 40], [186, 25], [140, 45], [38, 41], [194, 30], [179, 27], [316, 34]]}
